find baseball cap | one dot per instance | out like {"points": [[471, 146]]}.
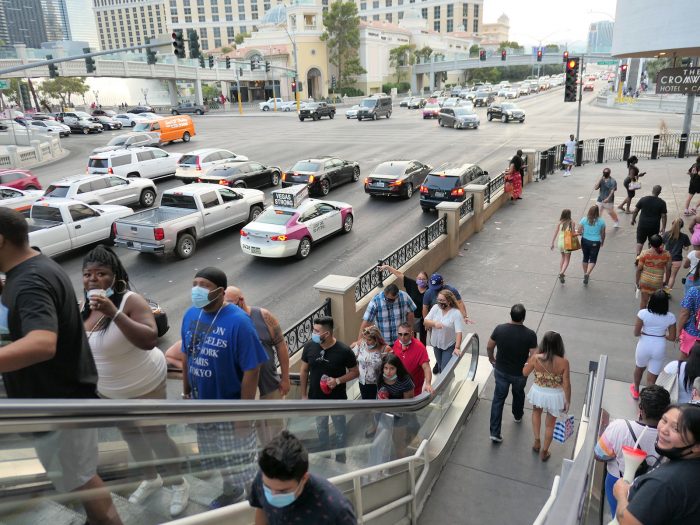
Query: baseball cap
{"points": [[436, 281]]}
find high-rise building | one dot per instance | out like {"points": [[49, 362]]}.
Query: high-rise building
{"points": [[55, 20], [81, 22], [24, 22], [443, 16], [600, 36], [124, 23]]}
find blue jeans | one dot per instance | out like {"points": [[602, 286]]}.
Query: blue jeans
{"points": [[503, 383], [442, 357], [610, 481], [323, 433]]}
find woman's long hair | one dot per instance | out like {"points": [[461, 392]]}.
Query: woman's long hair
{"points": [[104, 256], [593, 215], [565, 219], [676, 226], [552, 344], [449, 297]]}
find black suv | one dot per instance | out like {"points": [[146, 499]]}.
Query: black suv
{"points": [[483, 98], [447, 184], [321, 174], [505, 111], [374, 107], [316, 110]]}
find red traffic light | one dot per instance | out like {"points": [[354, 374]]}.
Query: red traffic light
{"points": [[294, 86], [571, 64], [623, 67]]}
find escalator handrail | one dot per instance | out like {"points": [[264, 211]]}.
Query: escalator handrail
{"points": [[18, 410]]}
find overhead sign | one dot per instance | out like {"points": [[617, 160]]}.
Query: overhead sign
{"points": [[606, 62], [684, 80], [4, 84], [290, 197]]}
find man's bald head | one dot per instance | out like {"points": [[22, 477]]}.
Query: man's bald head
{"points": [[233, 295]]}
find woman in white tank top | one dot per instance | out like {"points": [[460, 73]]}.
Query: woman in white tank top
{"points": [[122, 333]]}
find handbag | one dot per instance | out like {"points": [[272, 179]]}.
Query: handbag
{"points": [[635, 186], [161, 318], [670, 382], [564, 428], [571, 241]]}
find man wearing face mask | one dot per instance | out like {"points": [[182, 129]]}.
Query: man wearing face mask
{"points": [[667, 495], [326, 366], [284, 491], [607, 186], [223, 356], [414, 357]]}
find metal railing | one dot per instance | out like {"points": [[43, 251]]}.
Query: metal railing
{"points": [[467, 207], [299, 334], [374, 277], [493, 186]]}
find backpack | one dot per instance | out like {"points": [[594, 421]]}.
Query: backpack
{"points": [[644, 467]]}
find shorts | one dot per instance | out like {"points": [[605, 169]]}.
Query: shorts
{"points": [[69, 456], [606, 205], [631, 194], [590, 250], [686, 342], [643, 234], [694, 186], [650, 353], [232, 451]]}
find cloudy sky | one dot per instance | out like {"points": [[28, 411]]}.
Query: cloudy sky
{"points": [[551, 21]]}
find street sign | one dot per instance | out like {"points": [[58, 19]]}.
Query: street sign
{"points": [[4, 84], [678, 80], [291, 74], [606, 62]]}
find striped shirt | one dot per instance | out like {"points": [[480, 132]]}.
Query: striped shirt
{"points": [[388, 316]]}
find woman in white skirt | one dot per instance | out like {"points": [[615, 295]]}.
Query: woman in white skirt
{"points": [[551, 392]]}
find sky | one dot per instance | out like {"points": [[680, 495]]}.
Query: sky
{"points": [[551, 21]]}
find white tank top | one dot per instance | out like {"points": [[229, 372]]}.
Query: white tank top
{"points": [[124, 370]]}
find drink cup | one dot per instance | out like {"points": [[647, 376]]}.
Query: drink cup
{"points": [[324, 384], [97, 292], [383, 393], [633, 458]]}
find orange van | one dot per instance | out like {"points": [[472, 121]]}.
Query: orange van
{"points": [[169, 128]]}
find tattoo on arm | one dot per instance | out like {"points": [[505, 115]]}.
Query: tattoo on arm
{"points": [[274, 327]]}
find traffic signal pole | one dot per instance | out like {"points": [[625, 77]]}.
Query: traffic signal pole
{"points": [[580, 94], [238, 91]]}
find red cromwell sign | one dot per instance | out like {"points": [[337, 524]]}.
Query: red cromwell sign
{"points": [[684, 80]]}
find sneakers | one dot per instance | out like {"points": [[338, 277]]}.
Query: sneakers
{"points": [[616, 224], [227, 499], [585, 278], [634, 392], [181, 496], [562, 280], [145, 489], [518, 420], [566, 174], [496, 439]]}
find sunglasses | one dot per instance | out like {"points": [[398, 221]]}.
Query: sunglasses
{"points": [[401, 334]]}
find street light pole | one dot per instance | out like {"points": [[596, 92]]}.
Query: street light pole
{"points": [[97, 100], [296, 61]]}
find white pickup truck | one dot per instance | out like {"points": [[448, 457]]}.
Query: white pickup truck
{"points": [[282, 105], [185, 215], [60, 225]]}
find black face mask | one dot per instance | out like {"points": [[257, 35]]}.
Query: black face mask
{"points": [[673, 453]]}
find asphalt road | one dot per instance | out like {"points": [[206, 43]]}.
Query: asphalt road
{"points": [[381, 225]]}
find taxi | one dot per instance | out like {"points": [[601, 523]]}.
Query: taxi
{"points": [[294, 223]]}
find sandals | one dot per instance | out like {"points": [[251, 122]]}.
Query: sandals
{"points": [[545, 455], [536, 446]]}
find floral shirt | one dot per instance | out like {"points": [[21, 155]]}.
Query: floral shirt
{"points": [[370, 364]]}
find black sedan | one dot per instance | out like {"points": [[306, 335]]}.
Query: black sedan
{"points": [[108, 122], [321, 174], [396, 178], [245, 174], [417, 103], [141, 109]]}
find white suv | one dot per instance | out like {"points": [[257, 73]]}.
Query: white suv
{"points": [[195, 163], [149, 163], [104, 189]]}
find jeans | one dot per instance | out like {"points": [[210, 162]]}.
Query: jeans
{"points": [[610, 481], [503, 382], [323, 434], [442, 357], [590, 250], [368, 391]]}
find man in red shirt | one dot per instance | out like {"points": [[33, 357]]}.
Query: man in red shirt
{"points": [[415, 358]]}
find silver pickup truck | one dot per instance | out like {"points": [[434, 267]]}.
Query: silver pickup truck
{"points": [[185, 215]]}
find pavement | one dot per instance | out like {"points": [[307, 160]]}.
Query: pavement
{"points": [[508, 262]]}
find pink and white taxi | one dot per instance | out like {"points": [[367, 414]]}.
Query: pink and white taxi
{"points": [[293, 223]]}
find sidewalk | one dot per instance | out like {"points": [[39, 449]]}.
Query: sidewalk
{"points": [[509, 261]]}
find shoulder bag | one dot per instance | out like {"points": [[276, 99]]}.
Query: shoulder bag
{"points": [[670, 382], [571, 241]]}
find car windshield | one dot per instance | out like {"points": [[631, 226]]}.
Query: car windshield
{"points": [[311, 105], [390, 168], [171, 200], [274, 216], [56, 191], [441, 182], [306, 166], [117, 141], [98, 163], [482, 93], [369, 103], [82, 114], [463, 112], [189, 160], [508, 106], [142, 126], [432, 106]]}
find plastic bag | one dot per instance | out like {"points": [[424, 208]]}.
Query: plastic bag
{"points": [[564, 428]]}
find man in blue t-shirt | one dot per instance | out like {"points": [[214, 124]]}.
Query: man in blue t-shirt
{"points": [[435, 286], [223, 355]]}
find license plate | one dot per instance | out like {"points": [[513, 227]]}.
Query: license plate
{"points": [[380, 184], [255, 250], [440, 194], [134, 245]]}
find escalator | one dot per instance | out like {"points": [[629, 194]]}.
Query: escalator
{"points": [[387, 477]]}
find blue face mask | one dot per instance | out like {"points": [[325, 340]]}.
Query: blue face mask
{"points": [[279, 500], [316, 338], [200, 297], [390, 378]]}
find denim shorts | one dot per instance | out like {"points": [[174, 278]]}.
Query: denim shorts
{"points": [[590, 250]]}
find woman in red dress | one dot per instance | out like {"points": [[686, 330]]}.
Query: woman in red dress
{"points": [[516, 184]]}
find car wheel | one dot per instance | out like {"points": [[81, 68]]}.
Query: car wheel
{"points": [[133, 123], [186, 136], [31, 187], [332, 115], [287, 109], [304, 248], [315, 116], [356, 174], [359, 119], [173, 112], [301, 119], [347, 223], [275, 178], [133, 174], [388, 115], [148, 198], [85, 131], [347, 117], [440, 122], [265, 108], [409, 190], [239, 184], [374, 117], [455, 125], [185, 246], [490, 117], [255, 212], [325, 187], [424, 209], [522, 121], [199, 112], [504, 119]]}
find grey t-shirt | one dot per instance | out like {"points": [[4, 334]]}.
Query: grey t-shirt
{"points": [[269, 379], [607, 186]]}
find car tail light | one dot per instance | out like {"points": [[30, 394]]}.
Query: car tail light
{"points": [[199, 166], [368, 181], [223, 182], [158, 234], [284, 176], [278, 237], [396, 183], [114, 225], [198, 179], [110, 171], [244, 233], [424, 189], [311, 179], [457, 192]]}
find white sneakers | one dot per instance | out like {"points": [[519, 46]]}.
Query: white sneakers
{"points": [[616, 225], [180, 494]]}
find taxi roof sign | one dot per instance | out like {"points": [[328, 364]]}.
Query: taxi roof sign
{"points": [[290, 197]]}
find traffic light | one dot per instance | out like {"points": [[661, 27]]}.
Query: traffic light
{"points": [[228, 62], [566, 57], [24, 91], [570, 94], [53, 68], [253, 63], [503, 55], [178, 44], [193, 43], [211, 61], [294, 86], [482, 55], [539, 55], [89, 61], [267, 66], [151, 57], [333, 82], [201, 61], [240, 71], [623, 72]]}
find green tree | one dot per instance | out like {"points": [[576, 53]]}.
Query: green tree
{"points": [[654, 66], [210, 92], [226, 49], [342, 37], [423, 53], [402, 56], [240, 37], [62, 88], [474, 50], [509, 45]]}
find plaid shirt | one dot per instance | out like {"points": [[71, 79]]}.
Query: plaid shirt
{"points": [[389, 316]]}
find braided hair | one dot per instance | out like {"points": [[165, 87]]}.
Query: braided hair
{"points": [[105, 256]]}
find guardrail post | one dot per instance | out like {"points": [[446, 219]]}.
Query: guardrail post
{"points": [[683, 146], [477, 190], [340, 289], [628, 148], [601, 151], [551, 156], [450, 210], [655, 147], [543, 165], [579, 153], [529, 160], [380, 284], [425, 238]]}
